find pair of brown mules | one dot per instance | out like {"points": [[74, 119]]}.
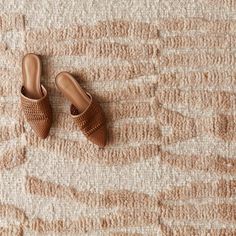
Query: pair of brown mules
{"points": [[84, 109]]}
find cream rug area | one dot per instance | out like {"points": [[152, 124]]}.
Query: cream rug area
{"points": [[164, 72]]}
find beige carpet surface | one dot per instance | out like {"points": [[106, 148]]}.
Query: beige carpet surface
{"points": [[164, 72]]}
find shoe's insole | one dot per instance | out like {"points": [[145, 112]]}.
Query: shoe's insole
{"points": [[31, 71], [71, 89]]}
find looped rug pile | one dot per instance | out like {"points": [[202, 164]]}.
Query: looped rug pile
{"points": [[164, 72]]}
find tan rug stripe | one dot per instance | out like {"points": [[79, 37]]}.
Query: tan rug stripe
{"points": [[212, 164], [100, 30], [124, 234], [82, 225], [85, 224], [199, 41], [126, 52], [169, 42], [203, 24], [11, 231], [212, 212], [196, 60], [222, 188], [95, 49], [11, 212], [3, 46], [135, 218], [231, 4], [109, 199], [12, 22], [10, 132], [126, 199], [9, 89], [12, 158], [127, 110], [221, 126], [178, 231], [190, 230], [222, 212], [139, 29], [134, 132], [211, 78], [221, 231], [218, 100]]}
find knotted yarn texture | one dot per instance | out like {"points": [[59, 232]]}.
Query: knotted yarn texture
{"points": [[164, 74]]}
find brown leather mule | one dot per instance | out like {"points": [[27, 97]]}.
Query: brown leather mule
{"points": [[34, 97], [85, 110]]}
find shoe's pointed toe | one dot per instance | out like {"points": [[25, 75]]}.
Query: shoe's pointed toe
{"points": [[99, 137], [41, 128], [91, 122]]}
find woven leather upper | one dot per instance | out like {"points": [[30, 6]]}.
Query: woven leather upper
{"points": [[91, 119], [38, 112]]}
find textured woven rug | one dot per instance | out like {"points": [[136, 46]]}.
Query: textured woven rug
{"points": [[164, 72]]}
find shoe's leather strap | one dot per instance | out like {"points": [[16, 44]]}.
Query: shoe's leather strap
{"points": [[91, 119]]}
